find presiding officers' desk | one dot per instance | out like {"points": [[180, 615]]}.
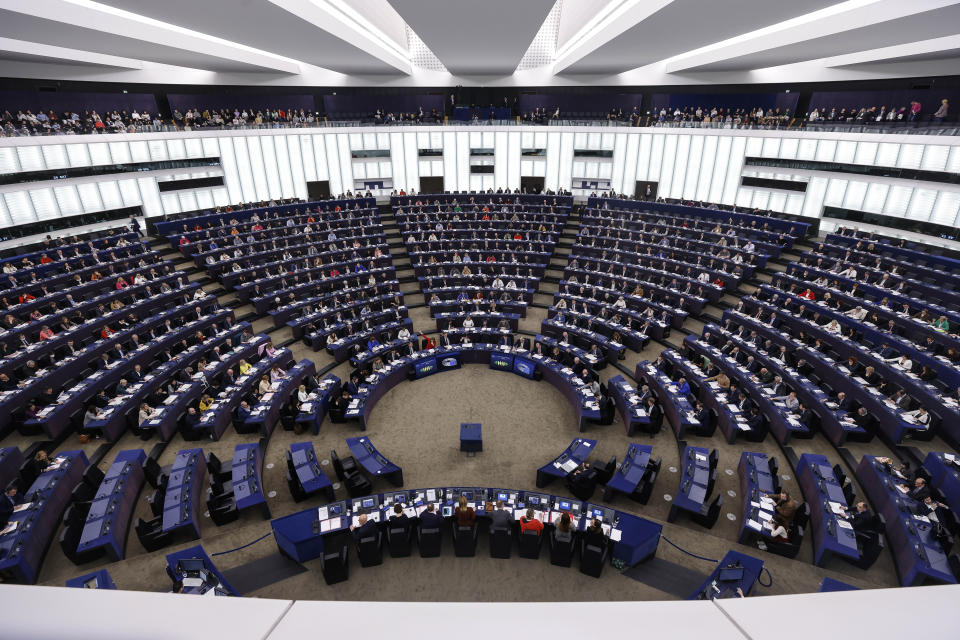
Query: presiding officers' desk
{"points": [[628, 403], [573, 456], [184, 496], [113, 505], [301, 535], [26, 537], [919, 557], [246, 472], [374, 461], [832, 533]]}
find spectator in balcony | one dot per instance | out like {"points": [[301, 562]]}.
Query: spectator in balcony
{"points": [[941, 113]]}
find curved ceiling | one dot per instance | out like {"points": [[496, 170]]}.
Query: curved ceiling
{"points": [[499, 42]]}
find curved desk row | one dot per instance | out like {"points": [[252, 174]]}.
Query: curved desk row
{"points": [[301, 535], [519, 361], [113, 505], [26, 537]]}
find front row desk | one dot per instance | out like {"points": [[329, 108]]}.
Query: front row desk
{"points": [[324, 532], [519, 361]]}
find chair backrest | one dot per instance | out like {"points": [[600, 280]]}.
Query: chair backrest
{"points": [[879, 523], [839, 473], [337, 465]]}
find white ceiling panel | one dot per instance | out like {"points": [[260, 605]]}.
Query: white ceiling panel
{"points": [[684, 25], [472, 38]]}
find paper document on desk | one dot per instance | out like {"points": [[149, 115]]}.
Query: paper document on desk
{"points": [[11, 526], [836, 507], [763, 515], [843, 523], [753, 524], [615, 535], [733, 407], [569, 465]]}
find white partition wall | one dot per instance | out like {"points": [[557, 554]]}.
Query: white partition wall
{"points": [[695, 164]]}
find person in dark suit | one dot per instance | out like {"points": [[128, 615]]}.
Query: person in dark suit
{"points": [[8, 501], [399, 518], [744, 403], [656, 415], [861, 518], [844, 403], [920, 490], [702, 415], [430, 519], [594, 535], [243, 411], [754, 420], [338, 408], [191, 418], [864, 420], [365, 529], [807, 416], [500, 518], [354, 385]]}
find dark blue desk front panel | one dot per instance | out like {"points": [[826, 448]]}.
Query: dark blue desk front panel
{"points": [[945, 476], [312, 412], [97, 580], [113, 505], [373, 461], [692, 493], [246, 476], [829, 584], [184, 497], [625, 396], [632, 470], [832, 534], [751, 572], [23, 548], [10, 460], [308, 471], [918, 556], [573, 456], [197, 552]]}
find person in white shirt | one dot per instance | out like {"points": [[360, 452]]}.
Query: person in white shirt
{"points": [[511, 285], [904, 363], [620, 303], [704, 277], [920, 416], [857, 313], [833, 327], [403, 334], [468, 323], [497, 283]]}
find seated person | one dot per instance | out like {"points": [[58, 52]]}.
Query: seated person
{"points": [[529, 523], [500, 518], [786, 506], [365, 528], [464, 515]]}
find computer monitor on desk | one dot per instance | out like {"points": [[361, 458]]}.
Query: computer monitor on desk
{"points": [[508, 497], [604, 514], [188, 566], [390, 499], [367, 504], [538, 501]]}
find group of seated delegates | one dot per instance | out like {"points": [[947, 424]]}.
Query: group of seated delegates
{"points": [[345, 331], [754, 223], [763, 380], [384, 116], [805, 320], [196, 356], [48, 122], [915, 483], [881, 114], [486, 253], [241, 117], [924, 331], [145, 328], [756, 117], [240, 391], [896, 276], [874, 239]]}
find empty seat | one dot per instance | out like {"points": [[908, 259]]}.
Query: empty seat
{"points": [[429, 541], [334, 563], [709, 518], [399, 540], [501, 543], [150, 533], [592, 558], [562, 546], [530, 544], [465, 540], [370, 549]]}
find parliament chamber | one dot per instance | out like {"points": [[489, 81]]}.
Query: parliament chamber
{"points": [[612, 324]]}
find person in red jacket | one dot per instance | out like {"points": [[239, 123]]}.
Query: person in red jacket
{"points": [[529, 523]]}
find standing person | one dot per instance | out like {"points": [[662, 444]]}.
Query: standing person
{"points": [[135, 224], [942, 111]]}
